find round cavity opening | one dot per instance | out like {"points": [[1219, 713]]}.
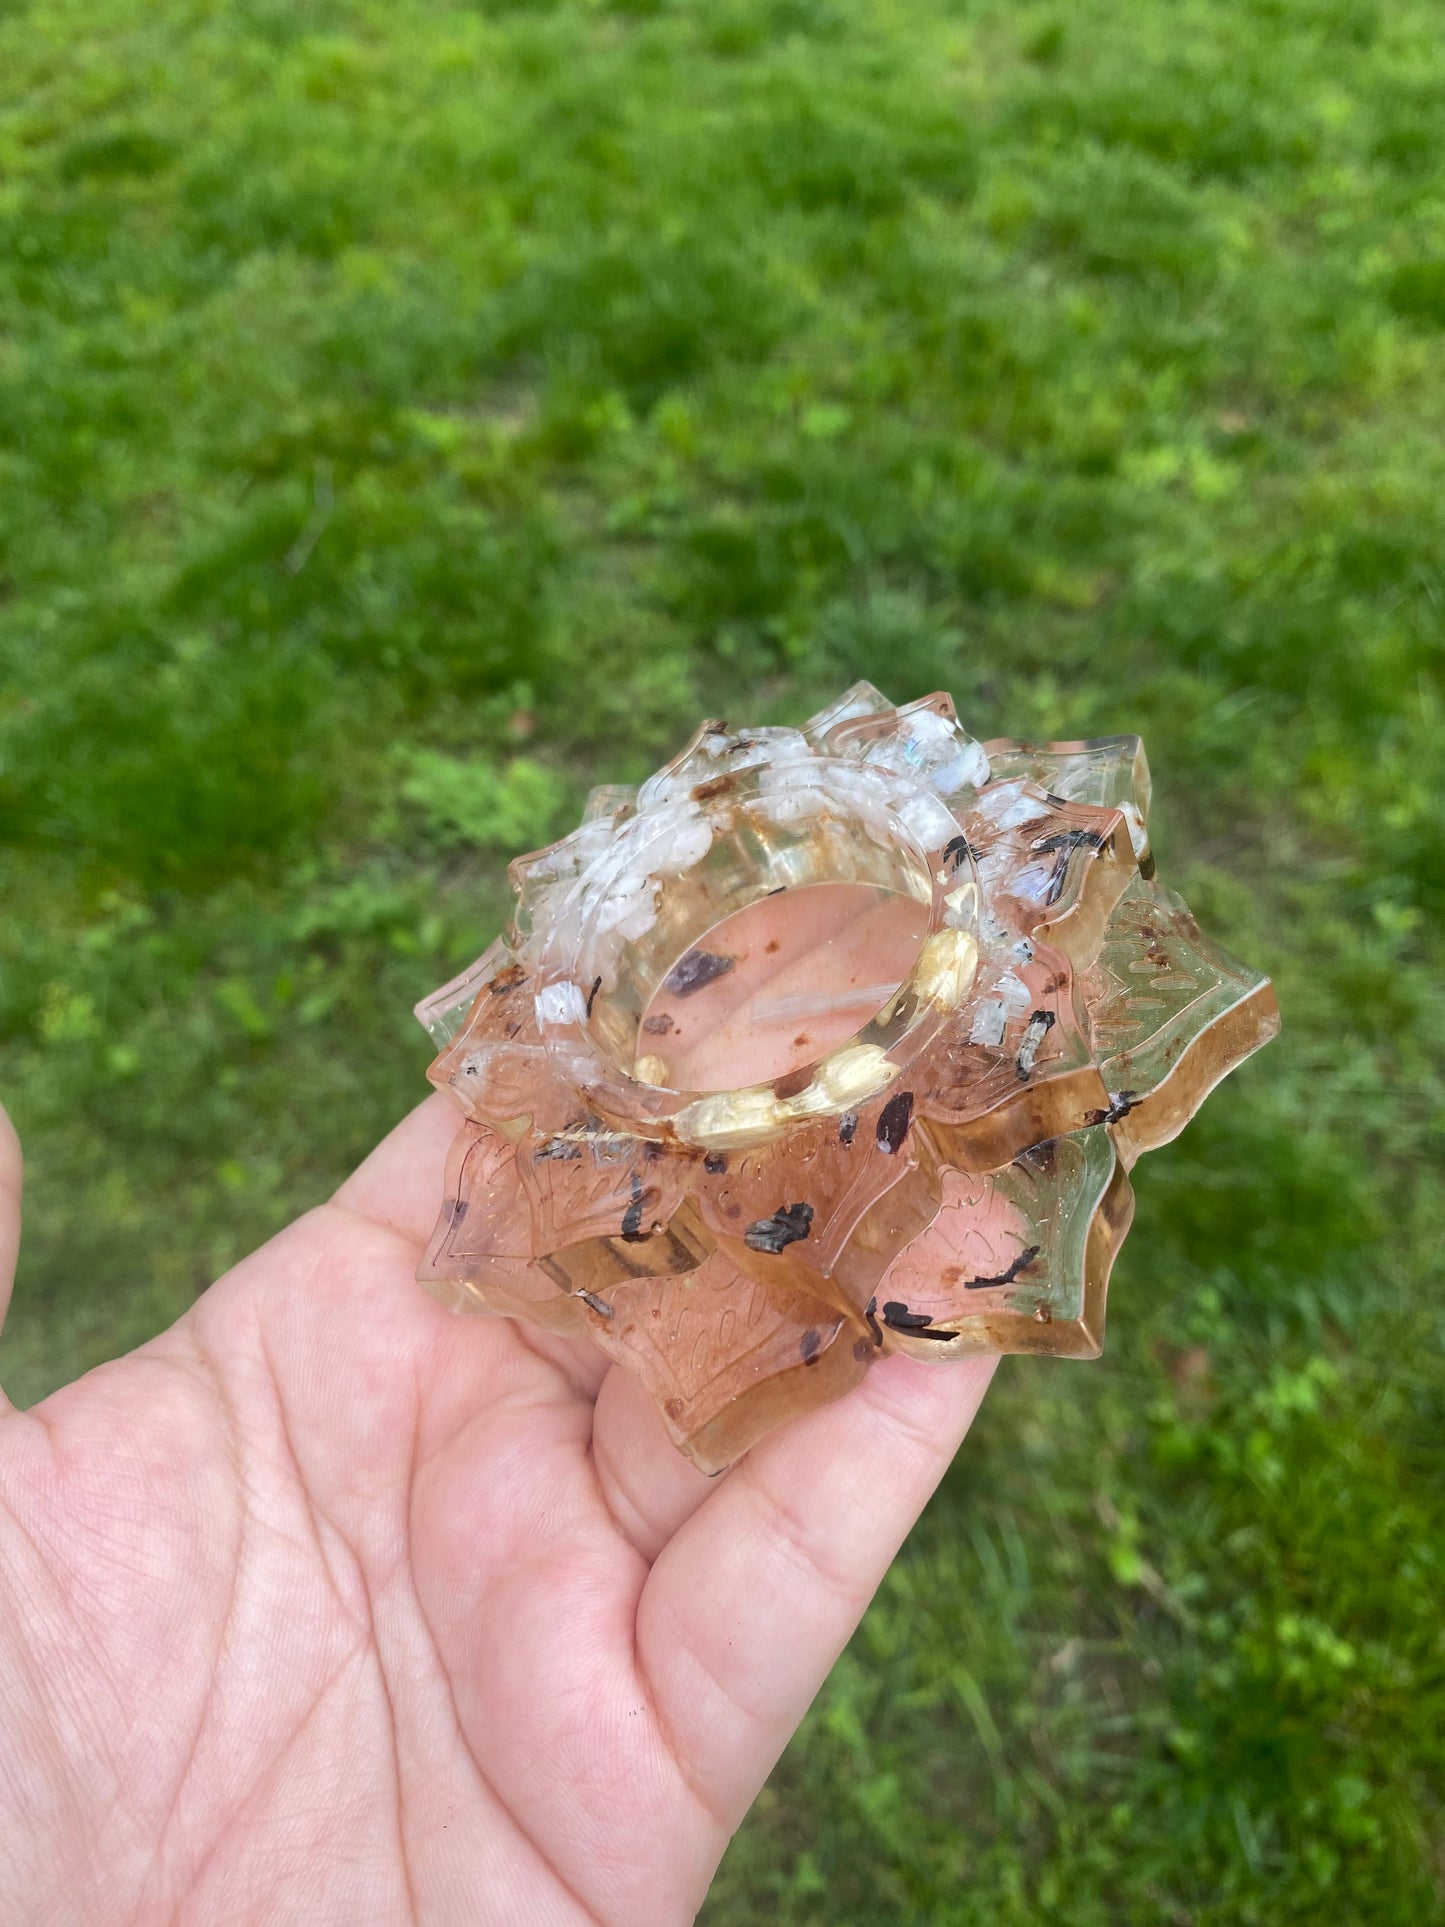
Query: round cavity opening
{"points": [[788, 934], [779, 984]]}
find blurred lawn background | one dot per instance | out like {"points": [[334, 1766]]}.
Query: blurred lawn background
{"points": [[412, 412]]}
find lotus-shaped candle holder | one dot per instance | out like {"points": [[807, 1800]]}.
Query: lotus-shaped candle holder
{"points": [[825, 1044]]}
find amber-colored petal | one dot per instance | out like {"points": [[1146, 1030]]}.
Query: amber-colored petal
{"points": [[1016, 1260], [811, 1205], [494, 1062], [890, 1223], [590, 1180], [726, 1358], [597, 1264], [605, 1204], [1171, 1014], [1047, 867], [986, 1101], [481, 1255]]}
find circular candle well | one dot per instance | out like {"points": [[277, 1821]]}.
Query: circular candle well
{"points": [[779, 984], [784, 938]]}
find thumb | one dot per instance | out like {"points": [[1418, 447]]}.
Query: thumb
{"points": [[9, 1208]]}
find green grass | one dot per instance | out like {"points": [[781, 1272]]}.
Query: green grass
{"points": [[410, 412]]}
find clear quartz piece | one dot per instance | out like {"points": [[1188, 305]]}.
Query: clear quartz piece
{"points": [[922, 743], [444, 1013], [860, 699], [823, 1044], [607, 801]]}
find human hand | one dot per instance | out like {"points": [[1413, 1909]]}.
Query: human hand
{"points": [[329, 1605]]}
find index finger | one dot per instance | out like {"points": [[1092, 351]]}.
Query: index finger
{"points": [[400, 1182], [10, 1182], [747, 1608]]}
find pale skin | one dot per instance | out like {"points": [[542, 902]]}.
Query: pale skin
{"points": [[329, 1605]]}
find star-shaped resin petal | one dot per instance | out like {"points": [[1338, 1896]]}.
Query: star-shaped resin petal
{"points": [[824, 1044]]}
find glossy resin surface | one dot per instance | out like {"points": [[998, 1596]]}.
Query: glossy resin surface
{"points": [[824, 1044]]}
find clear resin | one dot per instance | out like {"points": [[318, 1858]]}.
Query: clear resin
{"points": [[825, 1044]]}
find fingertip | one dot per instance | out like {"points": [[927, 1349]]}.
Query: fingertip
{"points": [[651, 1490], [11, 1183], [747, 1608], [929, 1405], [400, 1182]]}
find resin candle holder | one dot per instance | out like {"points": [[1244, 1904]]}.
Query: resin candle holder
{"points": [[825, 1044]]}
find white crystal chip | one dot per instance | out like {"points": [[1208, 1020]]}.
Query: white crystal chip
{"points": [[561, 1003], [946, 968]]}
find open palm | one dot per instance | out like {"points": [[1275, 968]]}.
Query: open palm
{"points": [[328, 1605]]}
